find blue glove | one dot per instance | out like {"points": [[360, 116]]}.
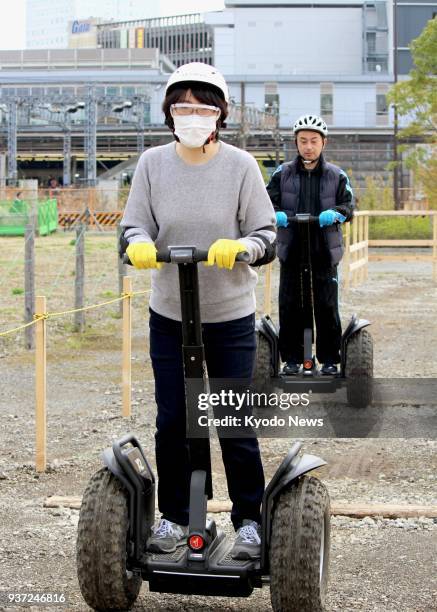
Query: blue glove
{"points": [[329, 217], [281, 219]]}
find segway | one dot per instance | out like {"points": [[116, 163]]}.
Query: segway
{"points": [[356, 352], [118, 510]]}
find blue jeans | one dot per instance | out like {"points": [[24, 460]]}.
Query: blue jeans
{"points": [[230, 353]]}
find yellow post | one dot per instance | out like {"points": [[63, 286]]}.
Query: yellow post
{"points": [[268, 290], [127, 347], [434, 247], [347, 257], [355, 253], [362, 248], [366, 238], [40, 385]]}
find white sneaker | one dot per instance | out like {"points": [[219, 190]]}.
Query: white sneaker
{"points": [[166, 537], [248, 542]]}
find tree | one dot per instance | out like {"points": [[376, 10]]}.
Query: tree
{"points": [[416, 99]]}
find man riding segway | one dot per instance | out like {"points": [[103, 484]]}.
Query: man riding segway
{"points": [[309, 184]]}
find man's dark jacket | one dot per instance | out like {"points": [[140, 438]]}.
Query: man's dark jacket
{"points": [[293, 189]]}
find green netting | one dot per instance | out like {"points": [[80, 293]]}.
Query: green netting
{"points": [[14, 216]]}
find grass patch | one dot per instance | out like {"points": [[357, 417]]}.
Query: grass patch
{"points": [[108, 294], [17, 291], [400, 228]]}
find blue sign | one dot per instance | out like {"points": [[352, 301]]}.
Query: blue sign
{"points": [[80, 27]]}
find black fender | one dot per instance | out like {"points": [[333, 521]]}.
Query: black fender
{"points": [[354, 326], [290, 470], [127, 462], [267, 329]]}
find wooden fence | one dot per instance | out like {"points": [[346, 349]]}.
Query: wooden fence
{"points": [[40, 323], [356, 250], [355, 263], [355, 270], [357, 243]]}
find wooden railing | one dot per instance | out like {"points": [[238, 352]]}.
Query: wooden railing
{"points": [[355, 263], [356, 250], [357, 243]]}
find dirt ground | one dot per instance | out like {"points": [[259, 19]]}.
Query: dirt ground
{"points": [[379, 565]]}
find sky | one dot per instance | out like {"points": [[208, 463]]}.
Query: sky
{"points": [[12, 17]]}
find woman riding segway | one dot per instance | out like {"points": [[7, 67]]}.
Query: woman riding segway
{"points": [[199, 190]]}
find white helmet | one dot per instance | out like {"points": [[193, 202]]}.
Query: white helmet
{"points": [[198, 71], [310, 122]]}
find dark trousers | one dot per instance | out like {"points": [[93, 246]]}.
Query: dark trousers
{"points": [[230, 353], [292, 315]]}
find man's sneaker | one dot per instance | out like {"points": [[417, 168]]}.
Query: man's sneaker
{"points": [[329, 369], [247, 544], [166, 536], [290, 368]]}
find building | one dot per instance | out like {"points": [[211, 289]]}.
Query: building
{"points": [[47, 26], [332, 59], [335, 58], [182, 38], [52, 60], [76, 112], [82, 33], [322, 38], [412, 16], [288, 57]]}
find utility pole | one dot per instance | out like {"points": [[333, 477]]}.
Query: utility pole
{"points": [[67, 151], [12, 140], [396, 197], [243, 139], [140, 126], [91, 137], [277, 135]]}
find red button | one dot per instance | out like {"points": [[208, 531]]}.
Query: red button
{"points": [[196, 542]]}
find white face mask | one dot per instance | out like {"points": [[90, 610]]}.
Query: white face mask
{"points": [[193, 130]]}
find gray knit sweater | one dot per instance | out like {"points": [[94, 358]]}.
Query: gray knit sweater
{"points": [[174, 203]]}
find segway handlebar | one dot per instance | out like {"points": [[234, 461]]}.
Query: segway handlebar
{"points": [[303, 218], [185, 254]]}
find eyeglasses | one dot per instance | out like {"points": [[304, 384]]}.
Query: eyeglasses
{"points": [[186, 109]]}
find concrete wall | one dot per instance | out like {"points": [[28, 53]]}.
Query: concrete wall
{"points": [[354, 103], [294, 41]]}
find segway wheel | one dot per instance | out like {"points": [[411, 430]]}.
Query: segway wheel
{"points": [[104, 580], [299, 548], [263, 364], [359, 369]]}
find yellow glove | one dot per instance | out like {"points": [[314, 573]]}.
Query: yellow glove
{"points": [[223, 252], [143, 255]]}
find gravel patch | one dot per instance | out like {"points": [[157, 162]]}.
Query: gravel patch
{"points": [[377, 564]]}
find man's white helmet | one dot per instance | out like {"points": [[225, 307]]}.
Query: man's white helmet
{"points": [[310, 122], [198, 71]]}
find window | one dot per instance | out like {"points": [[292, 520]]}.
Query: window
{"points": [[371, 42], [327, 102], [271, 98], [381, 104]]}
